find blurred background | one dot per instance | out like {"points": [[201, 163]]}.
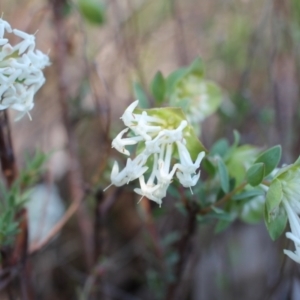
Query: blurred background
{"points": [[101, 62]]}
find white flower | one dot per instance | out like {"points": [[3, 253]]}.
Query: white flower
{"points": [[158, 137], [294, 221], [119, 144], [21, 67], [186, 164]]}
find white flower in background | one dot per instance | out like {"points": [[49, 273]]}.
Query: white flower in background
{"points": [[162, 134], [199, 98], [21, 67], [290, 182]]}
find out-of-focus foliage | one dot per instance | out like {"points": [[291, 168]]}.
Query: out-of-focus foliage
{"points": [[93, 11]]}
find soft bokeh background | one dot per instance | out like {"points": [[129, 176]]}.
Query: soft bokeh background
{"points": [[251, 49]]}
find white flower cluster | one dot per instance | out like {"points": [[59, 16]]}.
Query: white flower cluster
{"points": [[20, 70], [160, 142]]}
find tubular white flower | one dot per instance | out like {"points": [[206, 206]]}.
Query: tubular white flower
{"points": [[294, 221], [143, 128], [20, 70], [187, 180], [159, 138], [128, 117], [148, 190], [164, 176], [119, 144]]}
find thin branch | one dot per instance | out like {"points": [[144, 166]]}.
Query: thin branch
{"points": [[75, 180], [66, 217], [182, 248], [223, 200]]}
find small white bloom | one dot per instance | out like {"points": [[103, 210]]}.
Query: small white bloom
{"points": [[128, 117], [28, 42], [159, 138], [143, 128], [119, 144], [4, 26], [164, 175], [186, 164], [188, 180], [148, 190], [21, 67]]}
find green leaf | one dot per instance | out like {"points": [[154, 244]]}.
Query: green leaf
{"points": [[270, 158], [220, 147], [140, 94], [256, 174], [208, 166], [252, 211], [273, 200], [248, 194], [237, 138], [222, 225], [224, 177], [197, 67], [92, 10], [172, 79], [158, 87], [276, 226]]}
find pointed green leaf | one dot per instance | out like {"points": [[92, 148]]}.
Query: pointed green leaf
{"points": [[208, 166], [172, 79], [237, 138], [270, 158], [273, 199], [220, 147], [224, 177], [158, 87], [276, 226], [256, 174], [92, 10], [140, 94], [248, 194], [197, 67]]}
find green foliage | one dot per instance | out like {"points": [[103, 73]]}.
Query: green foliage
{"points": [[93, 11], [188, 89], [256, 174], [275, 217], [276, 226], [140, 94], [224, 177], [270, 158], [220, 147], [251, 205], [8, 226], [208, 166], [158, 87], [14, 198], [238, 160], [273, 200]]}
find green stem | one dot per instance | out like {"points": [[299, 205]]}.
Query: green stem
{"points": [[204, 211]]}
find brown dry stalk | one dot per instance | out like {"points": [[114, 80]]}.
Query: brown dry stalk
{"points": [[75, 180]]}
